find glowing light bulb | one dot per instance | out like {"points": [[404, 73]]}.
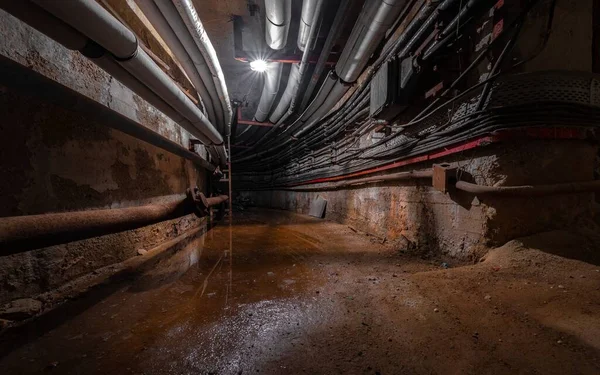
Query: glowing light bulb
{"points": [[259, 66]]}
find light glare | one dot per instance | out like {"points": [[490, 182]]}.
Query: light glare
{"points": [[258, 66]]}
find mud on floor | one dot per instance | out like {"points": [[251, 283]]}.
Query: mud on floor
{"points": [[285, 293]]}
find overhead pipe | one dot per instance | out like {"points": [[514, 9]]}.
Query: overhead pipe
{"points": [[112, 67], [278, 16], [375, 19], [301, 71], [288, 93], [171, 15], [370, 28], [158, 21], [22, 233], [272, 78], [306, 18], [192, 20], [334, 33], [66, 35], [93, 21], [28, 81], [96, 23]]}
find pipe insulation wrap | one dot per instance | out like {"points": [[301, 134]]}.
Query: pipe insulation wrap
{"points": [[93, 21], [308, 9], [375, 19], [278, 16], [158, 21], [178, 26], [272, 78], [287, 96], [191, 19], [142, 67]]}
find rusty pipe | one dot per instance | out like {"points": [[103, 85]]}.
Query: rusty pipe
{"points": [[531, 190], [22, 233], [213, 201]]}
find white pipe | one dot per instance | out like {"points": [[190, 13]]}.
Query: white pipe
{"points": [[375, 19], [287, 96], [308, 9], [96, 23], [165, 31], [269, 92], [143, 68], [112, 67], [171, 14], [278, 16], [188, 13]]}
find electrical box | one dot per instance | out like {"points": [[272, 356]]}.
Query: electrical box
{"points": [[391, 88]]}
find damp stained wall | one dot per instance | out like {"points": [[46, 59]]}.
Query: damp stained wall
{"points": [[53, 159]]}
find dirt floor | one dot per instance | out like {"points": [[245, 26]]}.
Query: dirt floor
{"points": [[281, 293]]}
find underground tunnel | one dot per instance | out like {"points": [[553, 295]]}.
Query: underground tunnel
{"points": [[299, 187]]}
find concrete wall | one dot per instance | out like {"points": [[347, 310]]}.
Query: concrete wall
{"points": [[52, 160], [414, 216]]}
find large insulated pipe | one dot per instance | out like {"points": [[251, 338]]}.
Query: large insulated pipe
{"points": [[375, 19], [190, 17], [334, 32], [172, 16], [158, 21], [308, 9], [93, 21], [71, 38], [278, 16], [269, 93], [96, 23], [28, 81], [287, 96], [112, 67]]}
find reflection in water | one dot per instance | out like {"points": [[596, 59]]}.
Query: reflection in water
{"points": [[178, 302]]}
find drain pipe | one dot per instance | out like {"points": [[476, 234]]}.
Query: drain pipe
{"points": [[272, 77], [93, 21], [306, 18], [278, 16]]}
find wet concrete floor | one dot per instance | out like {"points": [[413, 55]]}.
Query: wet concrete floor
{"points": [[281, 293]]}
